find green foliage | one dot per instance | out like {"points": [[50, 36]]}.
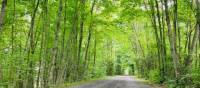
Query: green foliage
{"points": [[190, 80], [118, 67], [154, 76], [110, 68], [171, 84], [69, 41]]}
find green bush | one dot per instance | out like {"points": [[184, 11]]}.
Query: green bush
{"points": [[191, 80], [154, 76], [171, 84], [196, 79]]}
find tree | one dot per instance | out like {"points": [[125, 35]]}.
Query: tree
{"points": [[3, 13]]}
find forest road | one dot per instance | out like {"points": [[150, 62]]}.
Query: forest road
{"points": [[115, 82]]}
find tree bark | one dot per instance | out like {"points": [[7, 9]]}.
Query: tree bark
{"points": [[81, 35], [171, 39], [89, 34], [30, 83], [191, 49], [54, 68], [3, 12], [162, 54]]}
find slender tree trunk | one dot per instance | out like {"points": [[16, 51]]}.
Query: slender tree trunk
{"points": [[3, 13], [19, 83], [94, 57], [45, 57], [87, 48], [12, 46], [188, 59], [171, 39], [138, 43], [89, 34], [64, 31], [73, 51], [13, 28], [175, 24], [30, 81], [54, 68], [1, 73], [164, 41], [162, 54], [156, 32], [40, 61], [81, 35]]}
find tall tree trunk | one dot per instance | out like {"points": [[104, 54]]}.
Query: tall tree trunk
{"points": [[156, 32], [64, 31], [45, 62], [40, 61], [13, 28], [175, 24], [63, 61], [191, 49], [87, 49], [54, 68], [172, 39], [12, 46], [89, 34], [72, 55], [19, 83], [81, 35], [1, 73], [94, 57], [164, 40], [30, 81], [3, 12], [162, 54]]}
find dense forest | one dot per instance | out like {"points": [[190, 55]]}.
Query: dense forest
{"points": [[48, 43]]}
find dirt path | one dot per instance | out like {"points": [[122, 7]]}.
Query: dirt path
{"points": [[115, 82]]}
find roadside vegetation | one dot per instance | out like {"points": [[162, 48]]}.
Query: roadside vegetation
{"points": [[47, 43]]}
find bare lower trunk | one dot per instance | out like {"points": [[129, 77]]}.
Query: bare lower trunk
{"points": [[1, 73]]}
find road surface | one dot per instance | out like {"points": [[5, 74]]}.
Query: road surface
{"points": [[115, 82]]}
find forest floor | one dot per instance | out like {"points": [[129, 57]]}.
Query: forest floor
{"points": [[117, 82]]}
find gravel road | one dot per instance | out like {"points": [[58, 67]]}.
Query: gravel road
{"points": [[115, 82]]}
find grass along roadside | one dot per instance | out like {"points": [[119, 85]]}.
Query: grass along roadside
{"points": [[154, 85], [69, 84]]}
